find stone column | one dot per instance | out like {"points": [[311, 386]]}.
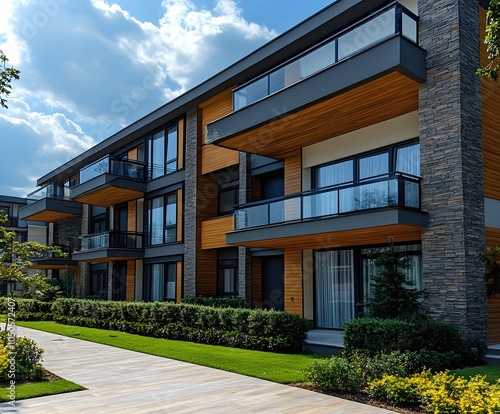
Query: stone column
{"points": [[190, 199], [244, 259], [451, 162]]}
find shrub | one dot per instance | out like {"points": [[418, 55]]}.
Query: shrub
{"points": [[244, 328], [27, 356], [439, 393], [353, 372]]}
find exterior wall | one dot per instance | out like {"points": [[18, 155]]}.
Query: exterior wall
{"points": [[451, 156], [244, 259]]}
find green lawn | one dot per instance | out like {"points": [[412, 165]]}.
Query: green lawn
{"points": [[491, 371], [282, 368], [39, 389]]}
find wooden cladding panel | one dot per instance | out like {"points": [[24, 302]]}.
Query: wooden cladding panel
{"points": [[490, 91], [213, 232], [132, 154], [132, 216], [380, 100], [108, 196], [215, 158], [130, 284], [293, 172], [180, 144], [293, 281], [178, 283], [256, 282], [48, 216], [492, 237], [358, 237], [180, 215], [206, 273], [215, 108]]}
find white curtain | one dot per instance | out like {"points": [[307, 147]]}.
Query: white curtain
{"points": [[327, 203], [334, 288], [157, 282]]}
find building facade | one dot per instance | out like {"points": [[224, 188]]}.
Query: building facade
{"points": [[279, 178]]}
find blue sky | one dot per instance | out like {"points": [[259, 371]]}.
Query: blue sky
{"points": [[91, 67]]}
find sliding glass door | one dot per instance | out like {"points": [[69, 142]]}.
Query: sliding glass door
{"points": [[334, 288]]}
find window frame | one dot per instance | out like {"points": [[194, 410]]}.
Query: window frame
{"points": [[222, 265], [147, 291], [169, 145], [164, 227]]}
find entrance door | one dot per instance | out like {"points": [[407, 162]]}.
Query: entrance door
{"points": [[334, 292], [273, 269]]}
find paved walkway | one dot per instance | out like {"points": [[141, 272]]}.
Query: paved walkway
{"points": [[120, 381]]}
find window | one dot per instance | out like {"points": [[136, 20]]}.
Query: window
{"points": [[159, 282], [98, 286], [228, 198], [162, 219], [98, 219], [162, 152], [227, 277]]}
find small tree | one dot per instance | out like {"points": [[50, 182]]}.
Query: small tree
{"points": [[393, 294], [492, 40], [16, 257], [6, 76]]}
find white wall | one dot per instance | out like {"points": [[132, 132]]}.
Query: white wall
{"points": [[37, 234], [411, 5]]}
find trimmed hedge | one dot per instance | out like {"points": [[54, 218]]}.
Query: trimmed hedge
{"points": [[222, 302], [436, 345], [242, 328], [28, 309]]}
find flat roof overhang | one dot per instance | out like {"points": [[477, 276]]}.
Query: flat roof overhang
{"points": [[107, 190], [49, 210], [373, 86], [107, 255], [364, 228], [55, 263]]}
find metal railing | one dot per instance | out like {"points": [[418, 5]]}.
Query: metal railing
{"points": [[110, 239], [111, 165], [392, 20], [391, 190], [51, 190]]}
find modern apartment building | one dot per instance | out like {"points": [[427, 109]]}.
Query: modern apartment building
{"points": [[278, 178]]}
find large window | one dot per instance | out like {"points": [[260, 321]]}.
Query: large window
{"points": [[162, 152], [159, 282], [228, 198], [162, 219], [227, 277], [98, 281], [343, 279]]}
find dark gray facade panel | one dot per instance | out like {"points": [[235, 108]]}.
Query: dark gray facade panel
{"points": [[375, 62], [327, 225], [51, 204], [451, 165], [123, 254], [107, 180], [164, 250], [166, 181]]}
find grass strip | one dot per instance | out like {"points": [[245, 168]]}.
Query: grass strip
{"points": [[281, 368], [39, 389], [491, 371]]}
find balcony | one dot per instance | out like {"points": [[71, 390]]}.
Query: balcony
{"points": [[50, 203], [366, 74], [110, 181], [109, 246], [358, 212], [53, 260]]}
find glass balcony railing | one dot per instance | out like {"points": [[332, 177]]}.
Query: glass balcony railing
{"points": [[394, 190], [392, 20], [110, 239], [51, 190], [110, 165]]}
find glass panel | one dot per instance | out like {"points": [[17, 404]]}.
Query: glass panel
{"points": [[171, 158], [408, 159], [157, 282], [317, 60], [372, 195], [94, 170], [373, 165], [251, 93], [333, 174], [372, 31], [171, 279], [277, 212], [157, 158], [257, 216], [227, 199], [155, 224], [334, 288], [277, 80], [412, 195], [409, 28], [322, 204]]}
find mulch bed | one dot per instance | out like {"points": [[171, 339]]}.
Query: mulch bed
{"points": [[359, 397], [48, 376]]}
